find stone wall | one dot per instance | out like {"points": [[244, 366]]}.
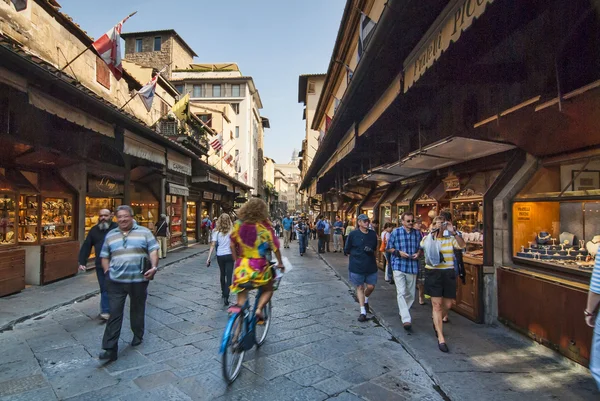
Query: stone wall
{"points": [[180, 56], [148, 57]]}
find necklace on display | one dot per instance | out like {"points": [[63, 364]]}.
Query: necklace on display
{"points": [[592, 246]]}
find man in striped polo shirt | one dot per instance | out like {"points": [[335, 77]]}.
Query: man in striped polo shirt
{"points": [[124, 254], [440, 276], [591, 318]]}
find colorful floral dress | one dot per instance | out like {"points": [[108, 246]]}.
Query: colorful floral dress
{"points": [[252, 240]]}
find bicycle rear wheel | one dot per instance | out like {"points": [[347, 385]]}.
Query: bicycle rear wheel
{"points": [[263, 328], [233, 356]]}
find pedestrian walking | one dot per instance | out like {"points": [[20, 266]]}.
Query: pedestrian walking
{"points": [[591, 318], [440, 277], [419, 226], [95, 239], [327, 231], [278, 229], [404, 247], [350, 227], [221, 245], [338, 231], [162, 234], [129, 259], [302, 233], [385, 237], [205, 225], [287, 231], [362, 266], [321, 234]]}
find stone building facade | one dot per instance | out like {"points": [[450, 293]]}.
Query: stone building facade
{"points": [[158, 49]]}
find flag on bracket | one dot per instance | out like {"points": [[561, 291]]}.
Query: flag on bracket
{"points": [[180, 109], [336, 104], [367, 27], [217, 143], [327, 123], [349, 74], [108, 47], [228, 159]]}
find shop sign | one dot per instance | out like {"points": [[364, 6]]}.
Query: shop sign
{"points": [[104, 185], [456, 18], [180, 190], [523, 213], [212, 177], [451, 183], [207, 195], [217, 197], [179, 163], [143, 148]]}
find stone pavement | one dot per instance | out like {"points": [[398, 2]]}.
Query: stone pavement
{"points": [[35, 300], [316, 349], [485, 362]]}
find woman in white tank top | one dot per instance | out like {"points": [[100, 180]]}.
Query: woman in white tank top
{"points": [[221, 242]]}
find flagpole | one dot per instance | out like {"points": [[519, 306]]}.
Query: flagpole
{"points": [[130, 99], [91, 45], [76, 57]]}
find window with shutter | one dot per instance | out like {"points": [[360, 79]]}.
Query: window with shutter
{"points": [[311, 87], [102, 73]]}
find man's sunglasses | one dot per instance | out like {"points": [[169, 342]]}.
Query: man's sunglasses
{"points": [[409, 221]]}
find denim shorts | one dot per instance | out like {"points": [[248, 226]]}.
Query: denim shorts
{"points": [[357, 279]]}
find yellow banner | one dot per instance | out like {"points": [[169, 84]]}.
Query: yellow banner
{"points": [[180, 109]]}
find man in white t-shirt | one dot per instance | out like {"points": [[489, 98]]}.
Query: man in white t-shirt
{"points": [[221, 242]]}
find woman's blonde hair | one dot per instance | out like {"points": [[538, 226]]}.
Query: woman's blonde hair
{"points": [[254, 211], [224, 224]]}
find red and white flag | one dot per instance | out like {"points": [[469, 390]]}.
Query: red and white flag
{"points": [[217, 143], [229, 159], [245, 176], [108, 47]]}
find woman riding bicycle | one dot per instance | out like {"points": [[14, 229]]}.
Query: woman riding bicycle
{"points": [[251, 237]]}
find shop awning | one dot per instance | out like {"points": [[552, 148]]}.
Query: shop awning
{"points": [[373, 198], [180, 190], [69, 113], [137, 146], [179, 163], [393, 195], [405, 198], [457, 17], [445, 153]]}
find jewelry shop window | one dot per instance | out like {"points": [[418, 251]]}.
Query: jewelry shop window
{"points": [[556, 217]]}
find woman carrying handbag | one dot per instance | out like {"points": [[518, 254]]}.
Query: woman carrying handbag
{"points": [[221, 240]]}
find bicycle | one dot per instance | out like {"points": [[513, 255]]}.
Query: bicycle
{"points": [[241, 334]]}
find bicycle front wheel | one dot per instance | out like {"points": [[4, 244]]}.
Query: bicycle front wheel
{"points": [[233, 355], [263, 328]]}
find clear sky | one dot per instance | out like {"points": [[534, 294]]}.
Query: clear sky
{"points": [[274, 41]]}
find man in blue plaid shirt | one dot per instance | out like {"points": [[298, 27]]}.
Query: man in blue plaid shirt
{"points": [[404, 246]]}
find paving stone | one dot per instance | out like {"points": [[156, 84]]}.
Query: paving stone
{"points": [[333, 385], [294, 359], [21, 385], [53, 341], [190, 339], [155, 380], [62, 360], [18, 369], [164, 393], [372, 391], [189, 328], [345, 396], [167, 333], [129, 358], [404, 388], [131, 374], [80, 381], [197, 358], [310, 375], [182, 351], [41, 394], [268, 368], [108, 393], [178, 310]]}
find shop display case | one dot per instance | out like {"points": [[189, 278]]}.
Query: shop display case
{"points": [[556, 218], [57, 218], [145, 213], [467, 215], [174, 213], [8, 207], [191, 224], [29, 229]]}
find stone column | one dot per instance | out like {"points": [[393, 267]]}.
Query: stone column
{"points": [[127, 180]]}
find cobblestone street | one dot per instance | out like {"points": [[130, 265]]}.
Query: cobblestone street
{"points": [[315, 350]]}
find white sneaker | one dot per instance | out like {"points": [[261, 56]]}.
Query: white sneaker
{"points": [[104, 316]]}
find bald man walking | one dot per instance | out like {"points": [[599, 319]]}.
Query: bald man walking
{"points": [[95, 238]]}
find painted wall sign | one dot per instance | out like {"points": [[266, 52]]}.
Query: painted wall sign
{"points": [[104, 185], [523, 213], [180, 190], [451, 23]]}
